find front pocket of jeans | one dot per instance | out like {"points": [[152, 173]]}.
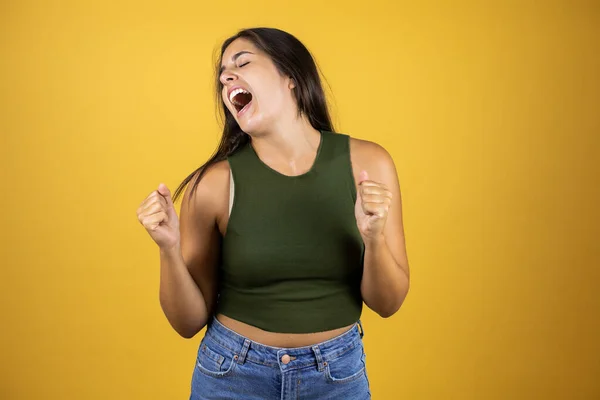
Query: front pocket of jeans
{"points": [[214, 361], [346, 368]]}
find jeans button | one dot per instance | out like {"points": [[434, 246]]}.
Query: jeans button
{"points": [[285, 359]]}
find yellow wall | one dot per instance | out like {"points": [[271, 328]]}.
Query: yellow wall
{"points": [[491, 114]]}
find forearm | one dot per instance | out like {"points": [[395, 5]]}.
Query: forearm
{"points": [[385, 282], [180, 298]]}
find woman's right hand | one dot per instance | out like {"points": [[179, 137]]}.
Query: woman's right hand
{"points": [[157, 214]]}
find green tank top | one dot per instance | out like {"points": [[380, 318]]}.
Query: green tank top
{"points": [[292, 256]]}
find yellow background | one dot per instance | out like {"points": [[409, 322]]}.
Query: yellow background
{"points": [[490, 111]]}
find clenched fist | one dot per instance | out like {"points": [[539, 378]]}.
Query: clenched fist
{"points": [[372, 207], [157, 214]]}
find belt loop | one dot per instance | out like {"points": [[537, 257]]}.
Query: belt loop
{"points": [[242, 357], [319, 357], [362, 331]]}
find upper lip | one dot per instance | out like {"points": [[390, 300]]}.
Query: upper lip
{"points": [[231, 89]]}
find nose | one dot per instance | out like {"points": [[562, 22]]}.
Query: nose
{"points": [[227, 77]]}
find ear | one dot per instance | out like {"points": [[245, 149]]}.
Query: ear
{"points": [[292, 84]]}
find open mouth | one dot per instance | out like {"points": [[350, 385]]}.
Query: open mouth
{"points": [[240, 98]]}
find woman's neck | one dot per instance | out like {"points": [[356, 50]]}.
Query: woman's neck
{"points": [[290, 145]]}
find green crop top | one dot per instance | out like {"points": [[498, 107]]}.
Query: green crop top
{"points": [[292, 256]]}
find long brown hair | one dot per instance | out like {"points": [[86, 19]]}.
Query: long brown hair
{"points": [[292, 59]]}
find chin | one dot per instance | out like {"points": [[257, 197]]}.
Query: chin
{"points": [[251, 125]]}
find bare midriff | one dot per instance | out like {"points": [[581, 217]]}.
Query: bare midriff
{"points": [[275, 339]]}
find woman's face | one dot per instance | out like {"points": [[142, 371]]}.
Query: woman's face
{"points": [[253, 89]]}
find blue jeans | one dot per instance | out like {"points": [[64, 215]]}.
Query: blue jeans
{"points": [[231, 366]]}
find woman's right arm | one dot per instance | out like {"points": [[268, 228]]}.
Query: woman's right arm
{"points": [[189, 253], [188, 272]]}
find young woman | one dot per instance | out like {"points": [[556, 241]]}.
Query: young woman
{"points": [[283, 234]]}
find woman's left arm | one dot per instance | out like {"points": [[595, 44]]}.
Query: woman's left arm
{"points": [[378, 212]]}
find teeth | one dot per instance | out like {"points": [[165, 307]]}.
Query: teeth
{"points": [[236, 92]]}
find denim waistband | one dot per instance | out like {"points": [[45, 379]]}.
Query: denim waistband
{"points": [[318, 354]]}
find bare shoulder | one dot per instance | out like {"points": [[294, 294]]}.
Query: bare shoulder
{"points": [[211, 194], [215, 178], [373, 158]]}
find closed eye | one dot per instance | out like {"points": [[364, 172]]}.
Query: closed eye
{"points": [[246, 63]]}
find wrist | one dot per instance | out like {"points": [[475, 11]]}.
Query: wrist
{"points": [[374, 241], [171, 251]]}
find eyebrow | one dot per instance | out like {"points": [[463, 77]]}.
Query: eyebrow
{"points": [[234, 58]]}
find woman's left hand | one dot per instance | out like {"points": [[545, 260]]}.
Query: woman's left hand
{"points": [[371, 210]]}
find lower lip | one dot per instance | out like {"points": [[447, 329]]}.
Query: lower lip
{"points": [[243, 110]]}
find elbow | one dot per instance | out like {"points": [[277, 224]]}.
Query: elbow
{"points": [[188, 331], [392, 307], [384, 310], [388, 311], [186, 327]]}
